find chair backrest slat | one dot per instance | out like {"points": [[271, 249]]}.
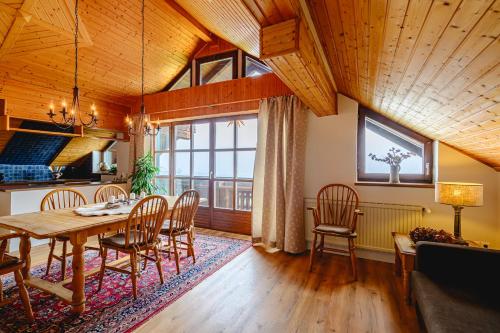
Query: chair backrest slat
{"points": [[145, 220], [104, 192], [63, 198], [184, 210], [336, 205]]}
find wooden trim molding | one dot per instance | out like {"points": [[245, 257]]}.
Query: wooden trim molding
{"points": [[415, 185]]}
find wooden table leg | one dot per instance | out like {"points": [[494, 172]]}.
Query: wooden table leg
{"points": [[78, 241], [25, 255], [397, 261], [408, 265], [406, 286]]}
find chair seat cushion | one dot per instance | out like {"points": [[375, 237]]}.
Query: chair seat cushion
{"points": [[8, 261], [118, 240], [165, 229], [344, 231]]}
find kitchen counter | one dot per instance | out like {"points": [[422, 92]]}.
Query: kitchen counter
{"points": [[31, 185]]}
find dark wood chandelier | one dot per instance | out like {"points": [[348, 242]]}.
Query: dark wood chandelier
{"points": [[68, 117], [148, 129]]}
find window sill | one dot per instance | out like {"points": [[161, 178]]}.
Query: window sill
{"points": [[415, 185]]}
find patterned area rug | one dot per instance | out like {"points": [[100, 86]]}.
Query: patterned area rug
{"points": [[113, 309]]}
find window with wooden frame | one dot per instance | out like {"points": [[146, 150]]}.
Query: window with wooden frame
{"points": [[181, 80], [376, 135], [217, 68], [215, 153], [253, 67]]}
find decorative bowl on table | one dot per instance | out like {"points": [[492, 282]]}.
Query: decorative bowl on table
{"points": [[430, 235]]}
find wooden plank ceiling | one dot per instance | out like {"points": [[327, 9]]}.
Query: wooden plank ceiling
{"points": [[430, 65], [37, 56]]}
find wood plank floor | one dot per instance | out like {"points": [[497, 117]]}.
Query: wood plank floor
{"points": [[263, 292]]}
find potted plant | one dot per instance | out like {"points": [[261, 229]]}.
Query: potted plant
{"points": [[143, 177], [394, 158]]}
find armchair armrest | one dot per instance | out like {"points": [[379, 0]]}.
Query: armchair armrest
{"points": [[314, 211]]}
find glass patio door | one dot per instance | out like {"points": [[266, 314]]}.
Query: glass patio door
{"points": [[216, 158]]}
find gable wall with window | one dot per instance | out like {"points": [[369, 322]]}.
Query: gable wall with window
{"points": [[331, 158]]}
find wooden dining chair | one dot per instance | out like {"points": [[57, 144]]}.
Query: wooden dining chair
{"points": [[102, 195], [141, 234], [181, 223], [10, 264], [60, 199], [335, 215], [104, 192]]}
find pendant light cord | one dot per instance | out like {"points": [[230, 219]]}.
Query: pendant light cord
{"points": [[142, 60], [76, 43]]}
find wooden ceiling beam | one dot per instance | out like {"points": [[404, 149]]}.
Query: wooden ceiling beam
{"points": [[14, 32], [289, 49], [305, 13], [198, 29]]}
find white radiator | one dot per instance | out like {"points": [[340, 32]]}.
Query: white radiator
{"points": [[379, 220]]}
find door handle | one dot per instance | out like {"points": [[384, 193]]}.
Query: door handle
{"points": [[211, 175]]}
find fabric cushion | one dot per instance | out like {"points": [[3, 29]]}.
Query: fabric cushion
{"points": [[8, 260], [335, 229], [448, 309], [118, 240], [165, 229]]}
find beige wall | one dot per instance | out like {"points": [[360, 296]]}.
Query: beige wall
{"points": [[331, 157]]}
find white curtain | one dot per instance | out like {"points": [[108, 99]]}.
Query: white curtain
{"points": [[278, 199]]}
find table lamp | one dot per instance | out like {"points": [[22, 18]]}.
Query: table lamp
{"points": [[459, 195]]}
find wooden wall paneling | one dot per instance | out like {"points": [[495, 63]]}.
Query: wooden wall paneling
{"points": [[412, 25], [431, 33], [77, 150], [322, 23], [396, 15], [272, 12], [5, 136], [228, 19], [462, 23], [216, 46], [468, 48], [39, 53], [31, 102], [198, 29], [431, 65], [240, 95], [290, 51], [224, 220]]}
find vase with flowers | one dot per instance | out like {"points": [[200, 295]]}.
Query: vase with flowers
{"points": [[394, 158]]}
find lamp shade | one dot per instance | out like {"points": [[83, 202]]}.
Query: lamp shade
{"points": [[459, 194]]}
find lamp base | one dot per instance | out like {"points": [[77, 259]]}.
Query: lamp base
{"points": [[460, 241], [457, 228]]}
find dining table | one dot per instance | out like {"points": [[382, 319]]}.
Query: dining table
{"points": [[65, 222]]}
